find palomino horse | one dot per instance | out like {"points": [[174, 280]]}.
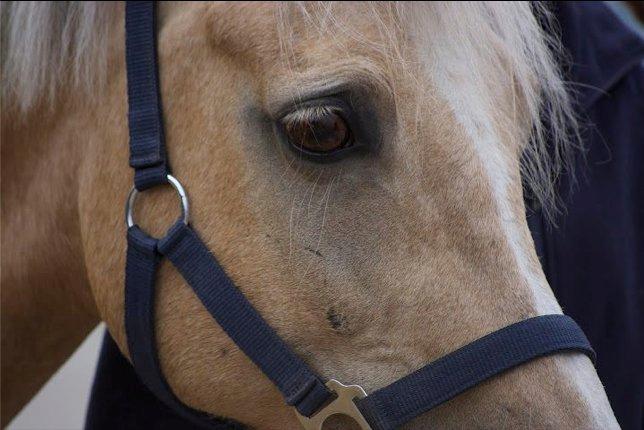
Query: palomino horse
{"points": [[356, 167]]}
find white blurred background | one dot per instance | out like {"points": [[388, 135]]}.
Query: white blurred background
{"points": [[61, 404]]}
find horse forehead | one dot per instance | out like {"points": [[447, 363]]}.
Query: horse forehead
{"points": [[244, 29], [258, 31], [241, 30]]}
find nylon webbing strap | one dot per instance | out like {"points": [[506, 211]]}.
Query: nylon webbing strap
{"points": [[443, 379], [147, 148], [140, 276], [234, 313], [299, 385]]}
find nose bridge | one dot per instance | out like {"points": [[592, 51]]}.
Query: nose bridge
{"points": [[555, 392], [564, 391], [560, 391], [584, 391]]}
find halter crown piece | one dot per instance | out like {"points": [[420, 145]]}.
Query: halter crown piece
{"points": [[313, 398]]}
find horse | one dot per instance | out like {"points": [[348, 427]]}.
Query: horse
{"points": [[357, 168]]}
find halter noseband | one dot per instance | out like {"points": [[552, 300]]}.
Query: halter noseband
{"points": [[313, 399]]}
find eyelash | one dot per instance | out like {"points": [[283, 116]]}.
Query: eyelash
{"points": [[307, 114]]}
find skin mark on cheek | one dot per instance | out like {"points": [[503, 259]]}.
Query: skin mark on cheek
{"points": [[313, 251], [337, 321]]}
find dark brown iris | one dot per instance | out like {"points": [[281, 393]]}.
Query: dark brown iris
{"points": [[319, 130]]}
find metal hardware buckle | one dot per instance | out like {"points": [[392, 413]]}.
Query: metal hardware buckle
{"points": [[342, 405], [131, 198]]}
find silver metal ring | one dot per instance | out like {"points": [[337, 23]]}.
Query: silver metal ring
{"points": [[131, 198]]}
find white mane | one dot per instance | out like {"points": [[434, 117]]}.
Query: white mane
{"points": [[516, 44], [46, 45]]}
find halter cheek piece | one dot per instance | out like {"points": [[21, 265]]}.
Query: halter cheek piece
{"points": [[313, 398]]}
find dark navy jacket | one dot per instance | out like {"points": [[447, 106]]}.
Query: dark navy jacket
{"points": [[594, 258]]}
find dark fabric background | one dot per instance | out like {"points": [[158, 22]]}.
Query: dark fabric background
{"points": [[594, 258]]}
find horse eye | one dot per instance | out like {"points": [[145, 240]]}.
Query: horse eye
{"points": [[318, 130]]}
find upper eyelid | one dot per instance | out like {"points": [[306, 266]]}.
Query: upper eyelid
{"points": [[281, 102], [334, 101], [304, 114], [363, 78]]}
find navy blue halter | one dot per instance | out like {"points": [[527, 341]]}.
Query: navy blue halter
{"points": [[387, 408]]}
